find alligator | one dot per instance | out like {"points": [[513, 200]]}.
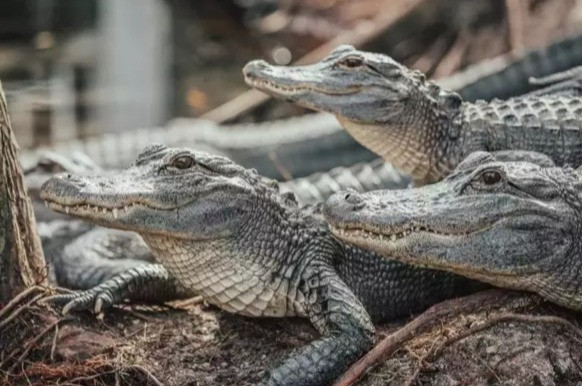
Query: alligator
{"points": [[308, 190], [224, 232], [419, 126], [301, 146], [510, 224], [81, 256]]}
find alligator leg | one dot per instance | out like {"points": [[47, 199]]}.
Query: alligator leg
{"points": [[524, 156], [97, 256], [149, 283], [344, 323]]}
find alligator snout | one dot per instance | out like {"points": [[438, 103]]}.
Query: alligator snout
{"points": [[348, 200], [353, 198], [61, 184], [253, 68]]}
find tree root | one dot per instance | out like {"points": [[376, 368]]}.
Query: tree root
{"points": [[476, 302], [435, 351]]}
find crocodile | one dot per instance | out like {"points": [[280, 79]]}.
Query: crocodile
{"points": [[300, 146], [422, 128], [224, 232], [510, 224]]}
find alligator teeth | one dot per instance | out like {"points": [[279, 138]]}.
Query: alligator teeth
{"points": [[125, 208], [46, 204], [67, 209], [115, 213]]}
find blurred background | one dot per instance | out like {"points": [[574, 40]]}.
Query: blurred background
{"points": [[77, 69]]}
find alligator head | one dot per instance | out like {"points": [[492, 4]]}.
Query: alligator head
{"points": [[387, 107], [177, 192], [514, 225], [212, 223]]}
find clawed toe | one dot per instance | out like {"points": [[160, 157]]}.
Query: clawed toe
{"points": [[81, 301]]}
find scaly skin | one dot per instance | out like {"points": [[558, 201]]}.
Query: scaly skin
{"points": [[420, 127], [361, 177], [80, 257], [47, 164], [511, 224], [507, 76], [316, 142], [226, 233]]}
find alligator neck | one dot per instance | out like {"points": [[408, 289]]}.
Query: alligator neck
{"points": [[420, 140], [252, 273]]}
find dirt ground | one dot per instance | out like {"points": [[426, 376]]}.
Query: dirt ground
{"points": [[205, 346]]}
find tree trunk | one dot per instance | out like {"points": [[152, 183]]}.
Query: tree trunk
{"points": [[21, 259]]}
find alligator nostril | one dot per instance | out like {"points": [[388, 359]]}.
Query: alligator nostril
{"points": [[354, 199], [261, 64]]}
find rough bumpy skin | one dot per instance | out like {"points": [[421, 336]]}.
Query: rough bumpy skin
{"points": [[316, 142], [361, 177], [226, 233], [79, 255], [46, 165], [507, 76], [82, 261], [420, 127], [510, 224]]}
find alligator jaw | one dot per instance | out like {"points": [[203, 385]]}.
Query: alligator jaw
{"points": [[272, 88], [89, 210], [393, 241], [395, 245], [279, 82], [288, 91]]}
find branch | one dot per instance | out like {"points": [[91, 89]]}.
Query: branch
{"points": [[436, 313]]}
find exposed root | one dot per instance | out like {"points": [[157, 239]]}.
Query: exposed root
{"points": [[32, 343], [17, 299], [33, 352], [19, 310], [434, 352], [150, 377], [67, 373], [436, 313]]}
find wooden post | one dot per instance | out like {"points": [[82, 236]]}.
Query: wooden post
{"points": [[21, 259]]}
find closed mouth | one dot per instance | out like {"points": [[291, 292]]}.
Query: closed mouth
{"points": [[361, 233], [263, 84], [92, 209]]}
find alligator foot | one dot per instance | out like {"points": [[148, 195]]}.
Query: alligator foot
{"points": [[149, 283], [98, 298]]}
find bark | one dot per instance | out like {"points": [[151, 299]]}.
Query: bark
{"points": [[21, 259]]}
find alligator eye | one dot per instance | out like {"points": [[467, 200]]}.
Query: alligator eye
{"points": [[352, 62], [491, 177], [183, 162]]}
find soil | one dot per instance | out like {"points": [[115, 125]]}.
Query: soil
{"points": [[205, 346]]}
